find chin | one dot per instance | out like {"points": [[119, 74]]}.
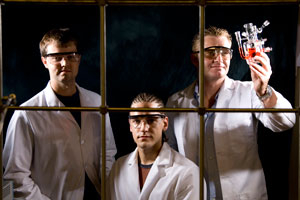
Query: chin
{"points": [[221, 74], [144, 145]]}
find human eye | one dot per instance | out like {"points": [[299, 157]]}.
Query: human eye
{"points": [[211, 53], [214, 53], [71, 57], [56, 58], [136, 121], [225, 51], [151, 120]]}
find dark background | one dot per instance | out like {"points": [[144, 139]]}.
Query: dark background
{"points": [[148, 50]]}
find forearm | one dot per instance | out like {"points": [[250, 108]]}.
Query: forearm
{"points": [[24, 186], [277, 121]]}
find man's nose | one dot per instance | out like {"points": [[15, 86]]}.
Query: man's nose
{"points": [[144, 125], [63, 61], [219, 57]]}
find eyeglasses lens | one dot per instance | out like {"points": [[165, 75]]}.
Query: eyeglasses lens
{"points": [[213, 52], [57, 58], [147, 121]]}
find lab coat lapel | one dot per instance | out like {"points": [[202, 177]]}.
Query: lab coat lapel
{"points": [[133, 173], [223, 120], [158, 170], [224, 100], [225, 94], [53, 101], [152, 179]]}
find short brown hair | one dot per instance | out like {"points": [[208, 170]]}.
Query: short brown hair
{"points": [[62, 36], [149, 98]]}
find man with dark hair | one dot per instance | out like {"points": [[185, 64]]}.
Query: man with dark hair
{"points": [[153, 171], [56, 154], [232, 166]]}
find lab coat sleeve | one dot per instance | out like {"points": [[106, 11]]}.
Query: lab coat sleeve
{"points": [[111, 148], [277, 122], [17, 157]]}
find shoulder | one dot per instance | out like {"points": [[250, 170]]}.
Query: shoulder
{"points": [[88, 92], [185, 171], [182, 95], [179, 160], [88, 97], [120, 166], [185, 92], [123, 160], [36, 100]]}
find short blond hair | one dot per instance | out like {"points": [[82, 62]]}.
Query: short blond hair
{"points": [[211, 31]]}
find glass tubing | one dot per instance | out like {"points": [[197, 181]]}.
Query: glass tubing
{"points": [[103, 109]]}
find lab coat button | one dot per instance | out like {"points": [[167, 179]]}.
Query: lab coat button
{"points": [[82, 141]]}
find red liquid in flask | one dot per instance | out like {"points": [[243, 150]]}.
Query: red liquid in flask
{"points": [[241, 53], [252, 52]]}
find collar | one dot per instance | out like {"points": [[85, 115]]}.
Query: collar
{"points": [[197, 96], [164, 157]]}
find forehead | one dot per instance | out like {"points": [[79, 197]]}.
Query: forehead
{"points": [[144, 105], [216, 41], [55, 47]]}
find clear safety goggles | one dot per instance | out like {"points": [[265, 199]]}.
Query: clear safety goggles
{"points": [[55, 58], [214, 51], [148, 120]]}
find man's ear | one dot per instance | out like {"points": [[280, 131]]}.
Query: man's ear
{"points": [[129, 125], [44, 60], [166, 123], [195, 60]]}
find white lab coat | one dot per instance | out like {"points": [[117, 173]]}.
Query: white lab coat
{"points": [[46, 153], [235, 136], [171, 177]]}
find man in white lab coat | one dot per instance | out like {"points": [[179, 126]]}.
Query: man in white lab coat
{"points": [[232, 166], [154, 171], [57, 154]]}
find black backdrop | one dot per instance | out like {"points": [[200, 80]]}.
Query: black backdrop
{"points": [[148, 49]]}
